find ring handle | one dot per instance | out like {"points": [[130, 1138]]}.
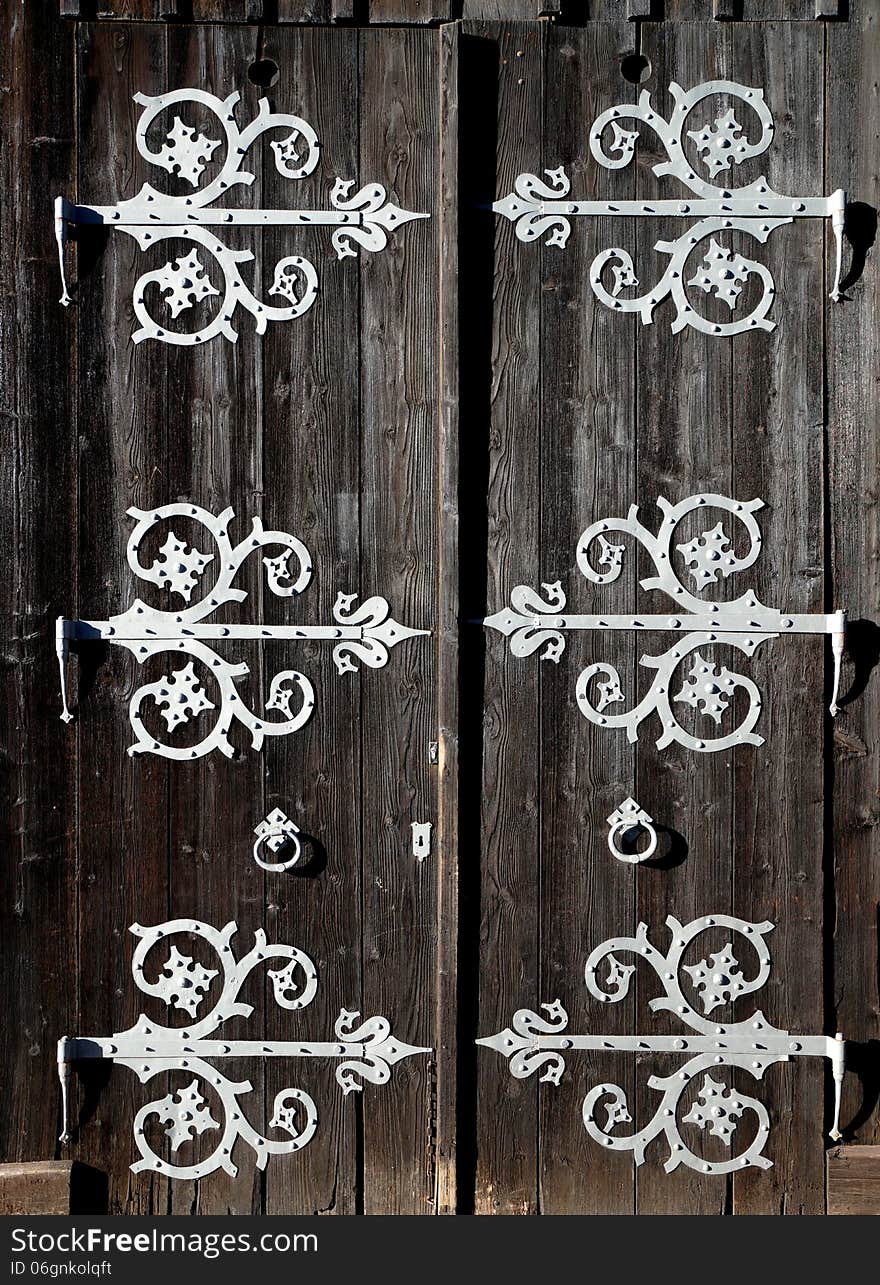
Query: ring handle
{"points": [[627, 817], [276, 831]]}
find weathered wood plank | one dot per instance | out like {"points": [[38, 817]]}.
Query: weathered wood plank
{"points": [[312, 482], [851, 336], [506, 10], [215, 458], [227, 10], [854, 1180], [398, 506], [683, 446], [588, 417], [449, 624], [738, 11], [410, 11], [503, 75], [778, 454], [38, 463], [306, 11], [42, 1187], [122, 874]]}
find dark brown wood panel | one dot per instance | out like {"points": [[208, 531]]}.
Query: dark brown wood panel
{"points": [[215, 458], [453, 1053], [440, 427], [852, 938], [312, 481], [398, 510], [325, 427], [507, 67], [682, 446], [854, 1180], [122, 869], [588, 391], [39, 964], [778, 454]]}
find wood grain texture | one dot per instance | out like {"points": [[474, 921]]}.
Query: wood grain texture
{"points": [[306, 11], [449, 625], [440, 427], [40, 1187], [215, 457], [683, 446], [851, 329], [410, 11], [854, 1180], [417, 12], [227, 10], [778, 454], [122, 865], [587, 463], [507, 66], [38, 466], [398, 512], [312, 451]]}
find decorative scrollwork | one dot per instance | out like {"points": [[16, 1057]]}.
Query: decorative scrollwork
{"points": [[536, 622], [365, 1052], [360, 633], [364, 219], [295, 279], [538, 208], [752, 1045]]}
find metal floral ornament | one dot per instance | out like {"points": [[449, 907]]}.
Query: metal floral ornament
{"points": [[362, 218], [359, 633], [537, 207], [365, 1051], [711, 1047], [534, 621]]}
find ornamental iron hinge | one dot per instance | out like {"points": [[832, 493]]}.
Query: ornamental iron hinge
{"points": [[536, 207], [363, 218], [362, 633], [534, 621], [365, 1050], [751, 1045]]}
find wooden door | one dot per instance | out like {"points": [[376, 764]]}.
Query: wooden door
{"points": [[325, 427], [440, 426], [587, 412]]}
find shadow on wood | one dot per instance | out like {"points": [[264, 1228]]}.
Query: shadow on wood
{"points": [[860, 229], [863, 649]]}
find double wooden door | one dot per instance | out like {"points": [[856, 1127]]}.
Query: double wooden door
{"points": [[439, 427]]}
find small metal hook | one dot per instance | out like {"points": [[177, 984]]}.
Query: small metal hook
{"points": [[62, 649], [630, 816], [837, 1055], [837, 201], [838, 641], [64, 1059]]}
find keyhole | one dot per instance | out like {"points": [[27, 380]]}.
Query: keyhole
{"points": [[635, 68], [263, 72]]}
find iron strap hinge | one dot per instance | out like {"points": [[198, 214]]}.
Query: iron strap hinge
{"points": [[536, 621], [362, 218], [360, 633], [536, 207], [365, 1051], [709, 1046]]}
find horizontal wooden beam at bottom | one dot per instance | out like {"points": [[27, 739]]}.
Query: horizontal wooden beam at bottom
{"points": [[52, 1187], [854, 1180]]}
